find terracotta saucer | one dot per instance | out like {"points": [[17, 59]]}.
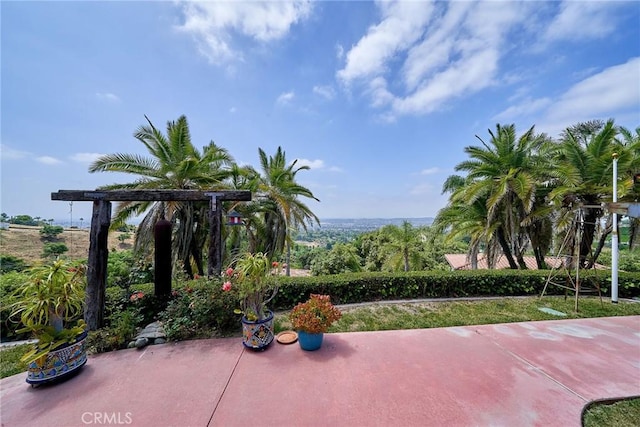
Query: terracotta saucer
{"points": [[287, 337]]}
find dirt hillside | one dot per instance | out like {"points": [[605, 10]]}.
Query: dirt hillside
{"points": [[25, 242]]}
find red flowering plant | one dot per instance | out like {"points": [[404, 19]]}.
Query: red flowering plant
{"points": [[314, 316], [251, 278]]}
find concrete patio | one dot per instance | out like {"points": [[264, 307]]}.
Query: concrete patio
{"points": [[518, 374]]}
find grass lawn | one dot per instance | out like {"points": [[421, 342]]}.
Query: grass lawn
{"points": [[384, 316], [10, 363], [625, 413]]}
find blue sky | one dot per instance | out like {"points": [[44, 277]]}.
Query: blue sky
{"points": [[378, 98]]}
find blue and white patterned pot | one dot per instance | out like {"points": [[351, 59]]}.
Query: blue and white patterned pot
{"points": [[259, 334], [58, 363]]}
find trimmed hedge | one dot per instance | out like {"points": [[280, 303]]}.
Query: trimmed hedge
{"points": [[366, 287], [198, 306], [205, 305]]}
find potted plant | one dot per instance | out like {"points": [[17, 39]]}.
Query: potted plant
{"points": [[50, 306], [311, 319], [255, 288]]}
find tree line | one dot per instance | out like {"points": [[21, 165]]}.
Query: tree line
{"points": [[533, 192], [173, 162]]}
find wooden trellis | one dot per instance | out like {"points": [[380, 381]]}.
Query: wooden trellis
{"points": [[101, 221]]}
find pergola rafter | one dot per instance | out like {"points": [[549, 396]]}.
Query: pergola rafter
{"points": [[101, 221]]}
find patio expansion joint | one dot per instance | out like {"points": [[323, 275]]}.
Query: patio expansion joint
{"points": [[233, 371], [534, 367]]}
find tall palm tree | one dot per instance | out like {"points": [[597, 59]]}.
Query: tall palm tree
{"points": [[279, 199], [583, 180], [173, 163], [505, 173]]}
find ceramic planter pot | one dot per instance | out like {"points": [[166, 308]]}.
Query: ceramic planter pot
{"points": [[259, 334], [310, 342], [59, 363]]}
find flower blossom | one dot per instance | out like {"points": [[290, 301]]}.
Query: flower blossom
{"points": [[226, 286], [136, 296]]}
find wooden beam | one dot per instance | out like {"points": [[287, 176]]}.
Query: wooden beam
{"points": [[150, 195]]}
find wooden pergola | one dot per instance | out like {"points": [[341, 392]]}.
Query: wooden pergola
{"points": [[101, 221]]}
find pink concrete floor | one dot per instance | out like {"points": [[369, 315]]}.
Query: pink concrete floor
{"points": [[518, 374]]}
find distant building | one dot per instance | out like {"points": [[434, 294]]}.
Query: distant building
{"points": [[4, 225]]}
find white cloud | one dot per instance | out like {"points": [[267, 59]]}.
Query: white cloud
{"points": [[317, 164], [339, 51], [285, 98], [525, 108], [312, 164], [86, 157], [9, 153], [422, 189], [326, 92], [213, 24], [430, 171], [612, 90], [444, 50], [107, 96], [403, 23], [48, 160], [579, 20]]}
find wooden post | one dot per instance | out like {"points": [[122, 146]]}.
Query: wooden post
{"points": [[214, 265], [97, 264], [162, 259]]}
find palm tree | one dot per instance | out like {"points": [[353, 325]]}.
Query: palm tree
{"points": [[460, 219], [404, 244], [278, 199], [504, 174], [629, 143], [583, 180], [174, 163]]}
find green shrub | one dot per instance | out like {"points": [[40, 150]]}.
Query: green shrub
{"points": [[9, 283], [125, 269], [629, 261], [123, 326], [54, 249], [118, 299], [125, 312], [362, 287], [11, 263], [200, 309], [50, 232]]}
